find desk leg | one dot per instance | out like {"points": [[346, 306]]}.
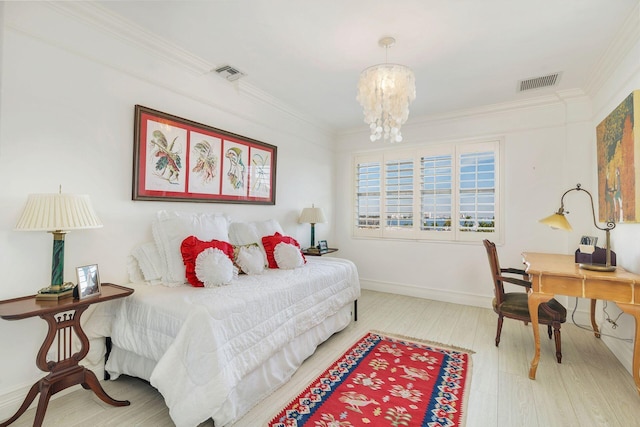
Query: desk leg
{"points": [[634, 310], [594, 325], [535, 299]]}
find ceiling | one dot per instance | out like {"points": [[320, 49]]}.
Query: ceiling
{"points": [[308, 54]]}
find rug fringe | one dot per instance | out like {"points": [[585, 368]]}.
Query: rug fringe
{"points": [[422, 341]]}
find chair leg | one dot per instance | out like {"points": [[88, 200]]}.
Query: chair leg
{"points": [[500, 319], [556, 333], [549, 331]]}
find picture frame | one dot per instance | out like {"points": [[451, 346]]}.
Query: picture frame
{"points": [[176, 159], [88, 281], [323, 246]]}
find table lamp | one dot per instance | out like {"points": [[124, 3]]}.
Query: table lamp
{"points": [[558, 220], [312, 216], [58, 214]]}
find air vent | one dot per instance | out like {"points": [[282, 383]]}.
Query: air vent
{"points": [[538, 82], [230, 73]]}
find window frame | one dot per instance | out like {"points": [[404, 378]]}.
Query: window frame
{"points": [[417, 153]]}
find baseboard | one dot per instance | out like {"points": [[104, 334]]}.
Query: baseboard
{"points": [[427, 293]]}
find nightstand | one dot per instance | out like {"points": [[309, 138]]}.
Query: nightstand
{"points": [[307, 252], [63, 318]]}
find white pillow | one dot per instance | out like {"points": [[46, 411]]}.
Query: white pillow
{"points": [[245, 233], [214, 268], [171, 228], [250, 259], [288, 256], [149, 261]]}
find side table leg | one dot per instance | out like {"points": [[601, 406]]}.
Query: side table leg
{"points": [[594, 325], [91, 383], [535, 299], [33, 392]]}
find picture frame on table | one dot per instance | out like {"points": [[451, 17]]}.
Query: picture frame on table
{"points": [[176, 159], [323, 246], [88, 281]]}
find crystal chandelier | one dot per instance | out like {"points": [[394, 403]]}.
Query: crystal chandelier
{"points": [[385, 92]]}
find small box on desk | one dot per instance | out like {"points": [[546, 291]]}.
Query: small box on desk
{"points": [[599, 256]]}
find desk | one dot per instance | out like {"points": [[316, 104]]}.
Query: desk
{"points": [[552, 274], [63, 318]]}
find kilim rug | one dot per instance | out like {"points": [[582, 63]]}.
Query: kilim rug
{"points": [[386, 380]]}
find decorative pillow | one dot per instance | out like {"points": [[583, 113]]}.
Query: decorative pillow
{"points": [[149, 261], [191, 247], [270, 243], [171, 228], [244, 233], [250, 259], [288, 256], [213, 268]]}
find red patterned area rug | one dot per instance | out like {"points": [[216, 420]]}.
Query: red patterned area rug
{"points": [[386, 380]]}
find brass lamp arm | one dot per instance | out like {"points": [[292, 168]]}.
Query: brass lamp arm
{"points": [[610, 224]]}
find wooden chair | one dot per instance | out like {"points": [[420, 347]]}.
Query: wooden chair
{"points": [[514, 305]]}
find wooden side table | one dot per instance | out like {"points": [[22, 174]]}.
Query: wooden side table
{"points": [[306, 252], [63, 318]]}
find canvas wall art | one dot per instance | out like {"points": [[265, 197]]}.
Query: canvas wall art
{"points": [[618, 151]]}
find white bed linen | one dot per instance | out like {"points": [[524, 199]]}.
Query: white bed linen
{"points": [[205, 341]]}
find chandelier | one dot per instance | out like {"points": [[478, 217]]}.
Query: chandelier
{"points": [[385, 92]]}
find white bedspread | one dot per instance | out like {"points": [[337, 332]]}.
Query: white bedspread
{"points": [[205, 340]]}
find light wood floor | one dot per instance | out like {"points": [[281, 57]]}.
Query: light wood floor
{"points": [[589, 388]]}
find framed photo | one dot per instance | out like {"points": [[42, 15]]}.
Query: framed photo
{"points": [[175, 159], [322, 246], [88, 281]]}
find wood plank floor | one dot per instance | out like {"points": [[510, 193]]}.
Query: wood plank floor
{"points": [[589, 388]]}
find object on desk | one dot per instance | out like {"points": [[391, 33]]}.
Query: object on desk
{"points": [[586, 249], [558, 220], [589, 240], [88, 281], [597, 257], [323, 247], [53, 294]]}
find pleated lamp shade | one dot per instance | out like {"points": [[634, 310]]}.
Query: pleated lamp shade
{"points": [[58, 212], [312, 215]]}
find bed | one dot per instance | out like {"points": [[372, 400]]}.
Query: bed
{"points": [[215, 352]]}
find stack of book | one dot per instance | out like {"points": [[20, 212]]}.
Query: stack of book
{"points": [[54, 293]]}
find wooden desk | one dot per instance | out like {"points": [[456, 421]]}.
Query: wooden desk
{"points": [[553, 274], [63, 318]]}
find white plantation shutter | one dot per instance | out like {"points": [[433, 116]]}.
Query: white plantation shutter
{"points": [[449, 192]]}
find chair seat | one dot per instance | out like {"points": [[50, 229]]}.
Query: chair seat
{"points": [[516, 305]]}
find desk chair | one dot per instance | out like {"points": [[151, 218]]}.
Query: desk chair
{"points": [[514, 305]]}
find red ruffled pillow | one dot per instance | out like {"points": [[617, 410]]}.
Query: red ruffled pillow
{"points": [[191, 248], [270, 243]]}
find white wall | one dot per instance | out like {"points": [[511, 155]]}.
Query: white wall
{"points": [[536, 172], [70, 81], [622, 78]]}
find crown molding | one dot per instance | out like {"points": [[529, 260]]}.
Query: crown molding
{"points": [[118, 27], [627, 37]]}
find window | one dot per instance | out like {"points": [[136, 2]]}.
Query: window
{"points": [[432, 193]]}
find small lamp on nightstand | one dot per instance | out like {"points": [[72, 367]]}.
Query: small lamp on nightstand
{"points": [[312, 216], [58, 214]]}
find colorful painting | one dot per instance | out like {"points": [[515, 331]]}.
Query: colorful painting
{"points": [[179, 160], [618, 145]]}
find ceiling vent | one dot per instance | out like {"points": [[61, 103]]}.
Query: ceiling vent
{"points": [[230, 73], [538, 82]]}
